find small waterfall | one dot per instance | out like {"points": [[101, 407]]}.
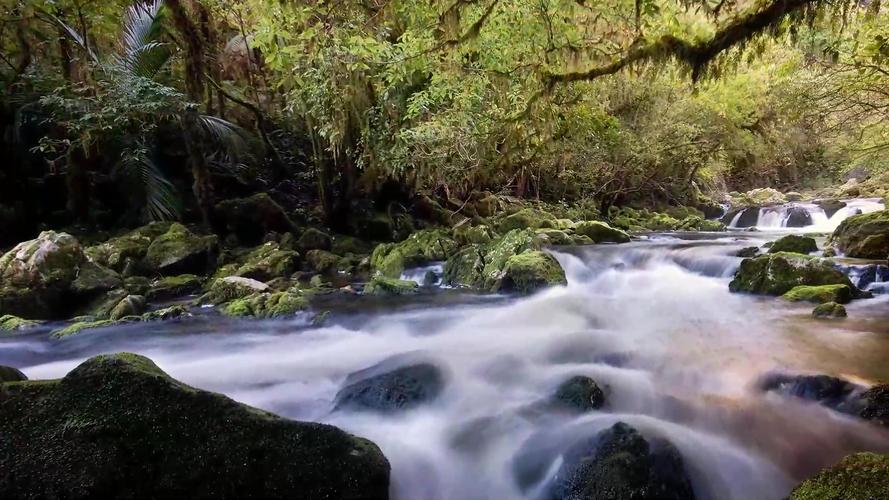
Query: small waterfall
{"points": [[803, 216], [426, 275]]}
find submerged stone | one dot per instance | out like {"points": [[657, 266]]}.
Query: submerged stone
{"points": [[402, 388], [619, 464], [862, 476], [119, 427], [829, 310], [579, 393]]}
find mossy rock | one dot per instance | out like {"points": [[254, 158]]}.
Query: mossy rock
{"points": [[829, 310], [173, 287], [527, 218], [682, 212], [268, 261], [556, 237], [601, 232], [474, 235], [117, 253], [131, 305], [314, 239], [167, 313], [343, 245], [840, 294], [93, 278], [13, 324], [137, 285], [862, 476], [250, 219], [778, 273], [146, 435], [419, 248], [579, 394], [390, 389], [81, 326], [179, 251], [747, 252], [466, 267], [381, 285], [233, 287], [864, 236], [794, 244], [698, 223], [322, 261], [267, 305], [530, 271]]}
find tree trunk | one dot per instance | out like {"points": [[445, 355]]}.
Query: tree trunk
{"points": [[194, 52], [200, 171]]}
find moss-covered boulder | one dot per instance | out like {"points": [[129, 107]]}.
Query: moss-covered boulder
{"points": [[778, 273], [268, 261], [179, 251], [698, 223], [419, 248], [131, 305], [466, 267], [10, 374], [840, 294], [829, 310], [322, 261], [233, 287], [267, 305], [314, 239], [619, 463], [81, 326], [381, 285], [128, 250], [794, 244], [36, 275], [12, 324], [93, 279], [250, 219], [556, 237], [530, 271], [862, 476], [386, 389], [474, 235], [864, 236], [172, 287], [166, 313], [527, 218], [601, 232], [579, 394], [747, 252], [119, 427]]}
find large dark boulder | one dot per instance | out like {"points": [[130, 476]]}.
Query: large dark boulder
{"points": [[579, 394], [794, 244], [831, 207], [387, 389], [618, 464], [179, 251], [778, 273], [10, 374], [865, 236], [749, 217], [862, 476], [250, 219], [119, 427], [798, 217]]}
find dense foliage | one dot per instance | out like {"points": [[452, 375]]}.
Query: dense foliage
{"points": [[613, 102]]}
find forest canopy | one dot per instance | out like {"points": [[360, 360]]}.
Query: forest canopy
{"points": [[607, 102]]}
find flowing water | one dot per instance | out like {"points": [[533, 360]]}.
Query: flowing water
{"points": [[808, 216], [652, 321]]}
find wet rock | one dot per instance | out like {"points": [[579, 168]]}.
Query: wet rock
{"points": [[825, 390], [555, 237], [129, 249], [873, 404], [120, 413], [749, 217], [323, 262], [831, 207], [619, 463], [93, 279], [314, 239], [268, 261], [466, 267], [179, 251], [747, 252], [10, 374], [381, 285], [601, 232], [841, 294], [778, 273], [580, 394], [131, 305], [382, 389], [794, 244], [250, 219], [829, 310], [528, 218], [267, 305], [864, 236], [421, 247], [862, 476], [81, 326], [13, 324], [173, 287], [793, 196], [232, 288], [166, 313], [697, 223], [798, 217], [530, 271]]}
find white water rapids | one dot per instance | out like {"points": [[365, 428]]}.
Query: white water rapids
{"points": [[652, 321], [778, 217]]}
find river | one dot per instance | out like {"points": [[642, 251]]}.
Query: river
{"points": [[652, 321]]}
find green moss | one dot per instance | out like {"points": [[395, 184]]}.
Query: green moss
{"points": [[840, 294], [697, 223], [466, 267], [778, 273], [794, 244], [862, 476], [175, 286], [314, 239], [322, 262], [864, 236], [268, 261], [421, 247], [601, 232], [232, 288], [267, 305], [556, 237], [93, 278], [166, 313], [381, 285], [528, 218], [473, 235], [10, 323], [179, 251], [119, 413], [530, 271], [80, 326], [829, 310], [131, 305]]}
